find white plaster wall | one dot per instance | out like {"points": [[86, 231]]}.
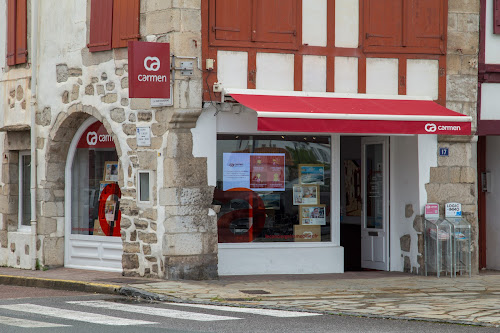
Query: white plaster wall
{"points": [[422, 78], [205, 141], [314, 73], [241, 259], [492, 206], [275, 71], [61, 42], [492, 42], [490, 105], [404, 189], [232, 69], [11, 78], [347, 23], [314, 28], [20, 239], [243, 122], [346, 75], [382, 76], [427, 158]]}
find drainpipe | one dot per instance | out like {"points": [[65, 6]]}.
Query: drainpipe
{"points": [[33, 180]]}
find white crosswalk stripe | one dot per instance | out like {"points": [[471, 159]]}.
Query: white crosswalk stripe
{"points": [[93, 318], [19, 322], [262, 312], [162, 312]]}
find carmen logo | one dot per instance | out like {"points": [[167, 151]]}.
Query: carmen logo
{"points": [[152, 64], [430, 128], [91, 138]]}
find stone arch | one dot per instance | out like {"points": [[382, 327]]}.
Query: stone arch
{"points": [[51, 192]]}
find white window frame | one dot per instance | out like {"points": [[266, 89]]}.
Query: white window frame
{"points": [[22, 227], [150, 201]]}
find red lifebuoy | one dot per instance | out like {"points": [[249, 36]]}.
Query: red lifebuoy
{"points": [[111, 228]]}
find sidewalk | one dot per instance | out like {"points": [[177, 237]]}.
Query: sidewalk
{"points": [[462, 300]]}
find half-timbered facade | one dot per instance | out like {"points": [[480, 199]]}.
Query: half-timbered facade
{"points": [[263, 58]]}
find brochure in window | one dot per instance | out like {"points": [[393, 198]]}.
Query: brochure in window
{"points": [[312, 215], [312, 174], [307, 233], [97, 229], [305, 194], [111, 171]]}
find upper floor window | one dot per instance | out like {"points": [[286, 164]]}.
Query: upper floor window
{"points": [[257, 23], [405, 26], [17, 52], [113, 23]]}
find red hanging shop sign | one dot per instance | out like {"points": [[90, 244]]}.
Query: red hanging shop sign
{"points": [[149, 70]]}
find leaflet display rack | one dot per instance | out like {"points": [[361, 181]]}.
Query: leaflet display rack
{"points": [[438, 247], [461, 246]]}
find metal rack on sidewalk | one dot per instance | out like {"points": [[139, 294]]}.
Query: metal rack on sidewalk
{"points": [[438, 247], [447, 241], [461, 246]]}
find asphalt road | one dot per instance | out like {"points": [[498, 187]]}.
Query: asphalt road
{"points": [[42, 310]]}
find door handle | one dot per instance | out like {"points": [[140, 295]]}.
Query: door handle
{"points": [[373, 233]]}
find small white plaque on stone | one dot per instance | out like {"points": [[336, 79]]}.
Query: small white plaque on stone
{"points": [[143, 136]]}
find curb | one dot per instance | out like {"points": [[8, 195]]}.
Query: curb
{"points": [[89, 287]]}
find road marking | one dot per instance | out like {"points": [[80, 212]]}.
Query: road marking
{"points": [[263, 312], [162, 312], [93, 318], [19, 322]]}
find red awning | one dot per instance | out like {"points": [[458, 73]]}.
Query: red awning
{"points": [[350, 113]]}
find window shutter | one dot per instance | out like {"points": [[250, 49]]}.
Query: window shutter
{"points": [[101, 18], [11, 32], [21, 37], [232, 20], [496, 18], [424, 24], [125, 22], [383, 22], [275, 21]]}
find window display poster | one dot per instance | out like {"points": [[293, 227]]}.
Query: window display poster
{"points": [[111, 171], [305, 194], [262, 172], [312, 215], [312, 174]]}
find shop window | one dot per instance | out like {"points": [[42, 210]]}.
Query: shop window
{"points": [[273, 188], [257, 23], [405, 26], [496, 16], [113, 23], [24, 214], [144, 178], [95, 194], [17, 50]]}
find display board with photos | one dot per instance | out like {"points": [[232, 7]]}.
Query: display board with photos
{"points": [[269, 186]]}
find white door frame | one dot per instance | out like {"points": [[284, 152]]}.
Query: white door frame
{"points": [[375, 241], [85, 251]]}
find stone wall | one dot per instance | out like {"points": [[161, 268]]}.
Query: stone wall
{"points": [[455, 179]]}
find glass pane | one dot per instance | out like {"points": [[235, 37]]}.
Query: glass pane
{"points": [[88, 182], [26, 190], [144, 186], [374, 186], [273, 188]]}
